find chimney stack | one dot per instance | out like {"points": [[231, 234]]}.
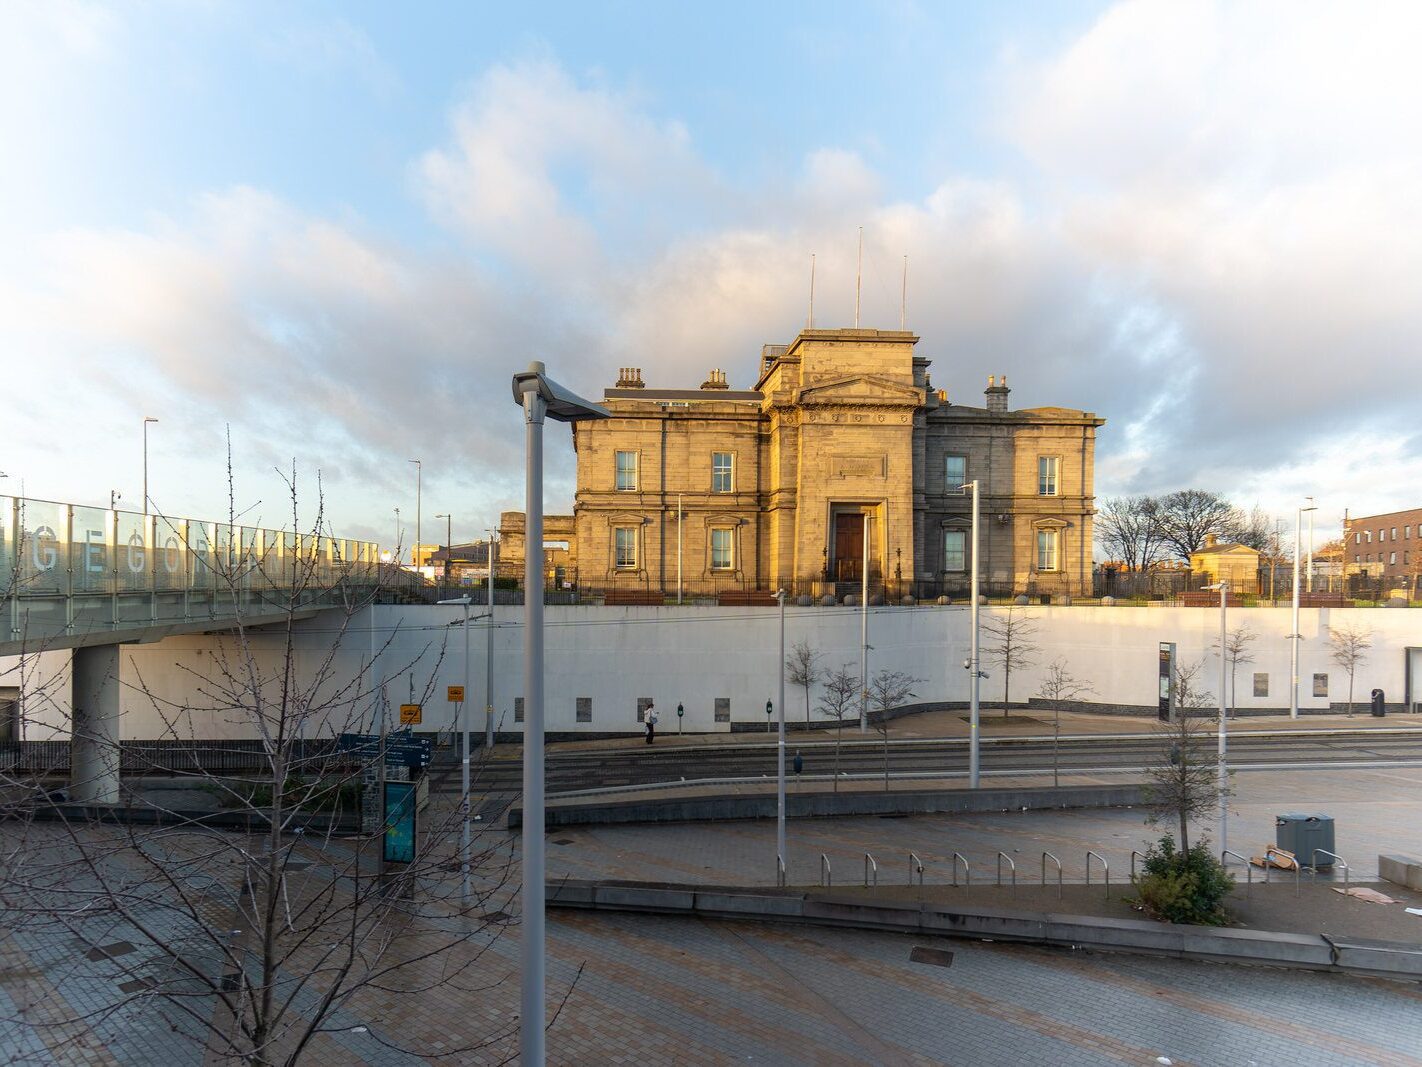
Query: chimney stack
{"points": [[996, 393], [630, 378], [715, 380]]}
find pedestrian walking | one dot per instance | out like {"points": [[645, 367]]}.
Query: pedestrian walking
{"points": [[651, 721]]}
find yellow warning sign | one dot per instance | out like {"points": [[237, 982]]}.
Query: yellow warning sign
{"points": [[456, 694], [410, 715]]}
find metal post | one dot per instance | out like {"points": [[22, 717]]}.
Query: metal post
{"points": [[146, 420], [974, 707], [780, 746], [1310, 510], [1222, 772], [1295, 636], [489, 652], [419, 477], [531, 1043], [464, 842], [864, 635], [678, 548], [539, 397]]}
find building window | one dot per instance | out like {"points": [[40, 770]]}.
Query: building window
{"points": [[955, 474], [1406, 558], [1261, 685], [518, 709], [955, 550], [723, 709], [584, 709], [1048, 468], [1369, 535], [1394, 533], [1392, 557], [721, 550], [627, 472], [1357, 558], [625, 546], [1320, 685], [644, 704], [722, 471], [1047, 549], [1406, 532], [1357, 539]]}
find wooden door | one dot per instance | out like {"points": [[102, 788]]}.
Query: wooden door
{"points": [[848, 546]]}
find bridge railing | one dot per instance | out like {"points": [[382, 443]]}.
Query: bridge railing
{"points": [[66, 569]]}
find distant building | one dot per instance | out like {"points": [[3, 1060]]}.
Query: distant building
{"points": [[560, 549], [1387, 548], [466, 564], [842, 437], [1236, 564]]}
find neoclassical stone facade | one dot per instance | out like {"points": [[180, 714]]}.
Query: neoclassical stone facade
{"points": [[842, 439]]}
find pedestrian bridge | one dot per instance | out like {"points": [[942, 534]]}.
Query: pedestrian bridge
{"points": [[73, 576]]}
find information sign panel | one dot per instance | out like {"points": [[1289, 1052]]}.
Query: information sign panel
{"points": [[456, 694], [410, 715], [399, 844], [1167, 681]]}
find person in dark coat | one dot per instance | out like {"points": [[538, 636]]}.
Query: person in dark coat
{"points": [[651, 721]]}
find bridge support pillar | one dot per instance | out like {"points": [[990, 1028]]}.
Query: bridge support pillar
{"points": [[94, 749]]}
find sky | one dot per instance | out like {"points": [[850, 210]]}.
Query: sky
{"points": [[330, 232]]}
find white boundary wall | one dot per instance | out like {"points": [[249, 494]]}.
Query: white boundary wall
{"points": [[692, 656]]}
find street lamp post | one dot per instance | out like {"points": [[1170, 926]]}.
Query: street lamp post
{"points": [[1222, 772], [1295, 636], [490, 558], [539, 397], [465, 846], [864, 634], [448, 543], [782, 862], [974, 665], [1310, 509], [146, 420], [419, 478]]}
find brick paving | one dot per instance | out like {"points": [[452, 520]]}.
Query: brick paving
{"points": [[654, 989]]}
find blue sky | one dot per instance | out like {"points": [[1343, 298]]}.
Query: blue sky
{"points": [[337, 228]]}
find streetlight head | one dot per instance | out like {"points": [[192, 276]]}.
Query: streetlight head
{"points": [[149, 418], [563, 404], [1311, 507], [462, 601]]}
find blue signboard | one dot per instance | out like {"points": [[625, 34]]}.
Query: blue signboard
{"points": [[399, 822], [402, 749]]}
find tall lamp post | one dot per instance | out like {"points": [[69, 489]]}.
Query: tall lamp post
{"points": [[782, 863], [1310, 509], [974, 657], [464, 602], [419, 478], [1222, 772], [540, 397], [1295, 636], [448, 543], [491, 557], [864, 633], [146, 420]]}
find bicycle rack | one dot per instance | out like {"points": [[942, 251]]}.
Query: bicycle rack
{"points": [[1271, 852], [1045, 857], [869, 865], [1248, 867], [1340, 861], [1012, 865], [915, 864], [825, 878], [779, 869], [1105, 870], [1134, 854], [967, 873]]}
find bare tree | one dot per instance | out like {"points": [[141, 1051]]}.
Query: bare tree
{"points": [[1189, 515], [1129, 529], [1183, 777], [1238, 649], [839, 699], [1011, 646], [1350, 643], [888, 690], [802, 668], [1060, 687], [263, 916]]}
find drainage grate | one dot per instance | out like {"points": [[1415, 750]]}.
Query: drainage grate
{"points": [[937, 957], [138, 985], [563, 841], [109, 952]]}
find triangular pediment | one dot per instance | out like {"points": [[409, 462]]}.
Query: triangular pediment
{"points": [[860, 389]]}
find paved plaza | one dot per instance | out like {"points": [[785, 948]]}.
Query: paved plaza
{"points": [[652, 989]]}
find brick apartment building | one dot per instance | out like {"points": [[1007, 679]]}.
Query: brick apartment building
{"points": [[1387, 547]]}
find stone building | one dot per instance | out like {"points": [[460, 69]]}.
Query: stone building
{"points": [[1236, 564], [842, 439]]}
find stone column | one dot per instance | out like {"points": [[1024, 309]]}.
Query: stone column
{"points": [[94, 755]]}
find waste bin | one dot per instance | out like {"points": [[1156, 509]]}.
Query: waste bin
{"points": [[1379, 703], [1301, 833]]}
